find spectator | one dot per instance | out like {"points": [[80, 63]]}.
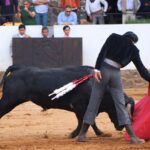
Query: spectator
{"points": [[22, 32], [41, 9], [74, 4], [95, 11], [8, 9], [112, 6], [67, 17], [113, 15], [145, 8], [27, 14], [45, 32], [2, 20], [128, 9], [20, 3], [66, 30]]}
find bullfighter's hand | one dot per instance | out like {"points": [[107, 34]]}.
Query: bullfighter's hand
{"points": [[97, 75], [26, 9]]}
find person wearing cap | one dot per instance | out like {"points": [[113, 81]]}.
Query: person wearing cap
{"points": [[116, 53], [67, 17]]}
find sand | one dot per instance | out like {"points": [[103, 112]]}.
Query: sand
{"points": [[28, 128]]}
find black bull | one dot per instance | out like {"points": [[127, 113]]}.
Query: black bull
{"points": [[22, 84]]}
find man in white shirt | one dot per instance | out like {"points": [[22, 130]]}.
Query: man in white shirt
{"points": [[21, 32], [128, 9], [66, 30], [41, 9], [95, 11]]}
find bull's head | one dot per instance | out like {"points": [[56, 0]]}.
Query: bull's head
{"points": [[113, 115]]}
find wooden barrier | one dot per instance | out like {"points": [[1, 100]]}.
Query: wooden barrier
{"points": [[50, 52]]}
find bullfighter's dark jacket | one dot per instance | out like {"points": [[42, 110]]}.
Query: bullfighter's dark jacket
{"points": [[121, 49]]}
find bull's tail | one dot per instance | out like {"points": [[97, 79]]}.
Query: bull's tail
{"points": [[9, 70]]}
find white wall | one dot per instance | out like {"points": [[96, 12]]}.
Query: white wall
{"points": [[6, 34], [93, 38]]}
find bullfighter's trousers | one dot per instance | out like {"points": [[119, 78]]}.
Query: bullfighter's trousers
{"points": [[110, 76]]}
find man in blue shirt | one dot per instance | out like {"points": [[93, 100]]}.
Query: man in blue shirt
{"points": [[67, 17]]}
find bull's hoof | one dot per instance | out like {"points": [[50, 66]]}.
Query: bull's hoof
{"points": [[105, 135], [137, 141], [72, 135], [98, 132], [81, 138]]}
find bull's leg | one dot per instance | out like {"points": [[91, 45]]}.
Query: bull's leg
{"points": [[4, 109], [75, 132], [97, 131], [7, 105], [14, 93]]}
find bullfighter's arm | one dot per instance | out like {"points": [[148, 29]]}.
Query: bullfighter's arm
{"points": [[140, 67]]}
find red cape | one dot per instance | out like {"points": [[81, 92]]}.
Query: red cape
{"points": [[141, 118]]}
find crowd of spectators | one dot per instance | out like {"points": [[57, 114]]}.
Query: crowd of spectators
{"points": [[44, 32], [35, 12]]}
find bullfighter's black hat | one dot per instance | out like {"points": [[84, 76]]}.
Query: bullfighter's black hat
{"points": [[131, 35]]}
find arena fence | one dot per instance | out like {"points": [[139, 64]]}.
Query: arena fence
{"points": [[51, 52]]}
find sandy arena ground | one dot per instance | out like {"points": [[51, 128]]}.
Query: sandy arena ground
{"points": [[28, 128]]}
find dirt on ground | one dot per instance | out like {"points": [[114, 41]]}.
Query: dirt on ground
{"points": [[27, 127]]}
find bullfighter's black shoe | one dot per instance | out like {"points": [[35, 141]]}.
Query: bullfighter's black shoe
{"points": [[134, 138]]}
